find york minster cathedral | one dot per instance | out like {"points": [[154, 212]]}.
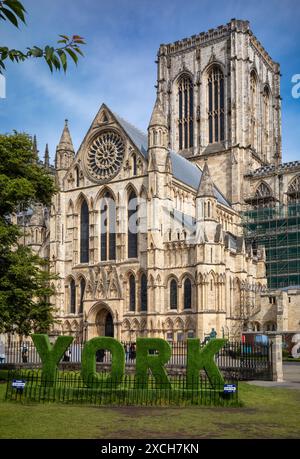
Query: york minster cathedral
{"points": [[147, 230]]}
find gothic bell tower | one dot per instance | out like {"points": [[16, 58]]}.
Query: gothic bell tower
{"points": [[220, 91]]}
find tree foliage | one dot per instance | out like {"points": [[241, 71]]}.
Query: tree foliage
{"points": [[24, 277], [56, 57]]}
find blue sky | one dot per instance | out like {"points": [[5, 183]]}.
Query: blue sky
{"points": [[122, 38]]}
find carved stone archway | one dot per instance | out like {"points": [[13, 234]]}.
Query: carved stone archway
{"points": [[101, 321]]}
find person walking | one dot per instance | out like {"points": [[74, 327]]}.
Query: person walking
{"points": [[2, 352], [127, 351], [132, 351], [24, 351], [67, 355]]}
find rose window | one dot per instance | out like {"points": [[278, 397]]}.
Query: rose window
{"points": [[105, 156]]}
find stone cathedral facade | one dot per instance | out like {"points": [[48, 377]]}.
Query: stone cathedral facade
{"points": [[146, 231]]}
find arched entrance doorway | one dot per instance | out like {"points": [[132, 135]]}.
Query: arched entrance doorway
{"points": [[109, 325], [104, 323]]}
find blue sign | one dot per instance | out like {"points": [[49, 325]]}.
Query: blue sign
{"points": [[18, 383], [229, 388]]}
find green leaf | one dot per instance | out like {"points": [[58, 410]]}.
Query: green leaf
{"points": [[16, 3], [78, 50], [10, 16], [73, 55], [63, 59], [55, 62], [4, 52], [80, 42], [17, 7], [49, 64], [65, 37], [49, 52], [37, 52]]}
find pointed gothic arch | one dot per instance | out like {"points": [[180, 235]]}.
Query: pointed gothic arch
{"points": [[72, 296], [262, 197], [263, 191], [254, 109], [211, 291], [143, 327], [132, 292], [82, 287], [144, 293], [77, 176], [107, 226], [78, 203], [70, 207], [216, 103], [84, 232], [179, 324], [173, 294], [135, 325], [293, 191], [187, 293], [102, 193], [126, 324], [132, 228], [169, 324], [185, 88], [143, 192], [66, 327], [266, 121]]}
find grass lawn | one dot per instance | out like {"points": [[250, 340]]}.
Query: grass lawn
{"points": [[267, 413]]}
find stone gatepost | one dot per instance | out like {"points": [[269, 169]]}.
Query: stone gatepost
{"points": [[276, 351]]}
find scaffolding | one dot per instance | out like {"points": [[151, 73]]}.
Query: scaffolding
{"points": [[275, 226]]}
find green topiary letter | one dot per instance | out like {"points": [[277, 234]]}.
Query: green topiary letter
{"points": [[203, 359], [144, 360], [88, 362], [50, 354]]}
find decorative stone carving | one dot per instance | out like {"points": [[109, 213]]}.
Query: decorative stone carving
{"points": [[113, 284], [105, 156], [102, 284]]}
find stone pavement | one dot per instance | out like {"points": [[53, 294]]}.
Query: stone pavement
{"points": [[291, 375]]}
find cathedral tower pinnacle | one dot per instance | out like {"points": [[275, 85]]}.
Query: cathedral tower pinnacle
{"points": [[206, 187], [46, 156], [158, 137], [64, 151]]}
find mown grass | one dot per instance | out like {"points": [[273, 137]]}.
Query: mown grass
{"points": [[267, 413]]}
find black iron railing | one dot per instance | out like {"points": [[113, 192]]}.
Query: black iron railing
{"points": [[237, 360], [70, 388]]}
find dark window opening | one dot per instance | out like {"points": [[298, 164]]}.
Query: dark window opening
{"points": [[72, 297], [144, 295], [187, 294], [173, 294], [131, 293], [132, 226], [84, 233], [185, 112], [216, 105]]}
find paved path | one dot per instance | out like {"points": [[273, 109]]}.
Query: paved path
{"points": [[291, 375]]}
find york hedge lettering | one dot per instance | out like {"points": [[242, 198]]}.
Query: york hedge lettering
{"points": [[151, 354], [89, 373], [50, 354]]}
